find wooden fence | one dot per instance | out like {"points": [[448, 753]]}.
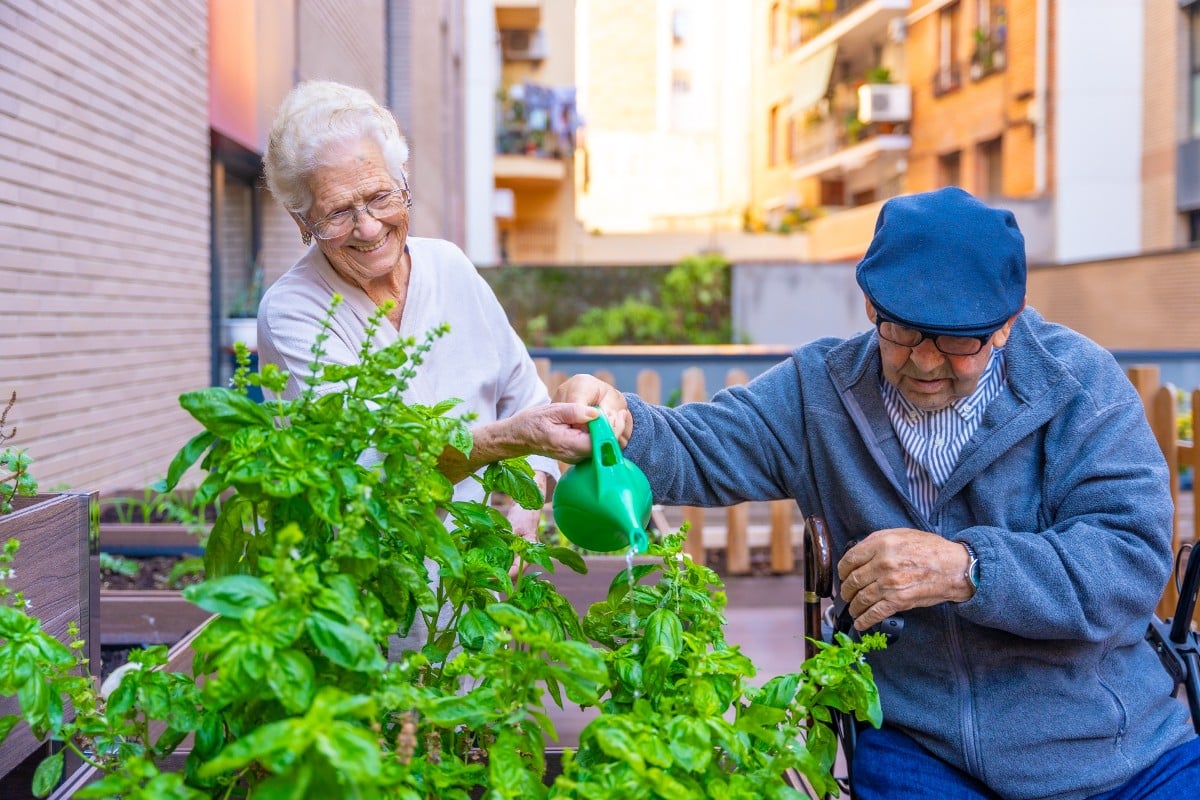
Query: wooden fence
{"points": [[1162, 411]]}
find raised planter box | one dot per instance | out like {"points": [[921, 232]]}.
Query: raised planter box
{"points": [[58, 571]]}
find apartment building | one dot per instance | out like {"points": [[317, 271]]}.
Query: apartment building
{"points": [[536, 124], [1031, 104]]}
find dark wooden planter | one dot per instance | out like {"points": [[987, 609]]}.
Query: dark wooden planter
{"points": [[141, 617], [58, 571], [139, 540]]}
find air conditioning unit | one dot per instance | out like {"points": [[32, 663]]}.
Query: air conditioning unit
{"points": [[523, 44], [884, 102]]}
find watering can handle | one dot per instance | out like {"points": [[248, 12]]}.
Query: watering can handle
{"points": [[602, 434]]}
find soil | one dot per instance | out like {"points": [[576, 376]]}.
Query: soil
{"points": [[152, 574]]}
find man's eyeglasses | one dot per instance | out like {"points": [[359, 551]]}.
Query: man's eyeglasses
{"points": [[380, 207], [910, 337]]}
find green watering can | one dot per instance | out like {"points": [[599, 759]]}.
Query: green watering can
{"points": [[603, 504]]}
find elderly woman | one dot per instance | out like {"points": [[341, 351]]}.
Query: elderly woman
{"points": [[335, 160]]}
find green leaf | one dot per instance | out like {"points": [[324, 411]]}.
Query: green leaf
{"points": [[227, 539], [7, 722], [184, 459], [231, 596], [48, 774], [259, 744], [514, 477], [779, 691], [224, 412], [345, 645], [292, 678], [569, 558], [690, 743], [354, 751], [445, 552], [477, 631]]}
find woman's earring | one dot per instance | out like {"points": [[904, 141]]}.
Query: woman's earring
{"points": [[306, 238]]}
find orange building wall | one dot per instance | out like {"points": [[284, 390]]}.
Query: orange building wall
{"points": [[1164, 97], [1000, 104]]}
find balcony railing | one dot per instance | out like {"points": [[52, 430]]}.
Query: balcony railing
{"points": [[948, 78], [813, 21], [989, 55]]}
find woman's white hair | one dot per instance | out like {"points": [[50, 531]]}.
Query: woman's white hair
{"points": [[315, 119]]}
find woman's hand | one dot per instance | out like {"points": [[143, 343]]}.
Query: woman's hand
{"points": [[556, 430]]}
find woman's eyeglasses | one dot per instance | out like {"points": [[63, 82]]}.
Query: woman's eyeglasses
{"points": [[380, 207]]}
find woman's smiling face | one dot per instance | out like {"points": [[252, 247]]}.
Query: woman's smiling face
{"points": [[350, 178]]}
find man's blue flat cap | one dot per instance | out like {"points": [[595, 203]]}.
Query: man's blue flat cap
{"points": [[943, 262]]}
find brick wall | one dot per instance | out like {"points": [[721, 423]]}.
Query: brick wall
{"points": [[996, 105], [104, 228], [104, 220], [1144, 302]]}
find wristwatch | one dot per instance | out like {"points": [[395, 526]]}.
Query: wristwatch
{"points": [[973, 566]]}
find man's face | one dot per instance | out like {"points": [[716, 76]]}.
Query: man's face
{"points": [[927, 377]]}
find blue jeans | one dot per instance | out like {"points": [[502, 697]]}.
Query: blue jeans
{"points": [[888, 765]]}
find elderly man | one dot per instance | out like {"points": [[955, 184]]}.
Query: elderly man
{"points": [[1010, 504]]}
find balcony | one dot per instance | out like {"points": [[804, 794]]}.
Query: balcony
{"points": [[526, 14], [854, 25], [990, 54], [839, 143], [535, 134]]}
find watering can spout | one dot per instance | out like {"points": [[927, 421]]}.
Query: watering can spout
{"points": [[603, 503]]}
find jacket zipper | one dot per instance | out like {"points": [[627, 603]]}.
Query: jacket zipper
{"points": [[966, 707]]}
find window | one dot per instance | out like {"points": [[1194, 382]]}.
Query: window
{"points": [[1194, 68], [773, 136], [795, 28], [775, 23], [948, 75], [793, 137], [679, 25], [988, 155], [989, 35], [235, 203], [950, 169]]}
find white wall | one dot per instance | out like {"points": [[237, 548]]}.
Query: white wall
{"points": [[1098, 93], [791, 304], [482, 70]]}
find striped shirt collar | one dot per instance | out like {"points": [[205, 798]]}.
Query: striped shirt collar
{"points": [[970, 408], [932, 440]]}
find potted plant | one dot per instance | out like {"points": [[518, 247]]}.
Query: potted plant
{"points": [[318, 561], [241, 318]]}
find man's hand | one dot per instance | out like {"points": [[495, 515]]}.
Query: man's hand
{"points": [[901, 568], [591, 391]]}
